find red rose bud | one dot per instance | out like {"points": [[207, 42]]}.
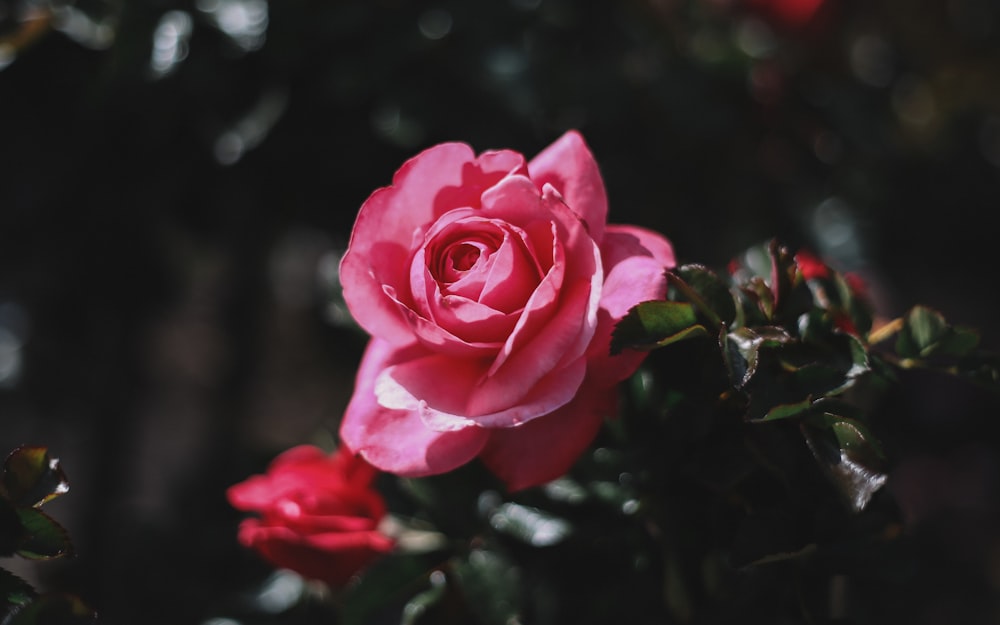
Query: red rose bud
{"points": [[811, 267], [318, 514]]}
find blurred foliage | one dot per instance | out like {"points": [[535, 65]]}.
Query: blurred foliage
{"points": [[179, 177], [31, 478]]}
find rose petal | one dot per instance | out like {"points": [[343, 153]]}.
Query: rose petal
{"points": [[545, 448], [448, 393], [638, 259], [332, 558], [569, 166], [438, 179], [563, 337], [556, 306], [397, 440]]}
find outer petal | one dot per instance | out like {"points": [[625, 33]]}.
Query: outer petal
{"points": [[333, 560], [452, 395], [638, 259], [397, 441], [545, 448], [569, 166], [623, 242]]}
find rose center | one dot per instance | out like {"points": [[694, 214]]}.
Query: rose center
{"points": [[464, 256]]}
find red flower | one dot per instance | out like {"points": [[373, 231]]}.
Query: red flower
{"points": [[318, 514], [811, 267], [792, 13]]}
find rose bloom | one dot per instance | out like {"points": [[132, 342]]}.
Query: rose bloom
{"points": [[790, 13], [490, 286], [318, 514]]}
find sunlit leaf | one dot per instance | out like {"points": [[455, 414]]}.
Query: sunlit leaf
{"points": [[41, 536], [743, 345], [849, 455], [655, 324], [31, 477], [530, 525]]}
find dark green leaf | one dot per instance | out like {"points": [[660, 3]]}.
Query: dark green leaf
{"points": [[10, 528], [42, 537], [14, 590], [921, 331], [711, 289], [857, 309], [418, 607], [786, 411], [655, 324], [783, 270], [31, 477], [491, 583], [959, 342], [926, 333], [387, 582], [742, 347], [849, 455], [53, 610]]}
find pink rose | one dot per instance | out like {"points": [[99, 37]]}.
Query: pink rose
{"points": [[490, 286], [318, 514]]}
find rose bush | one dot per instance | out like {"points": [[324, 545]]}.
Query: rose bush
{"points": [[490, 286], [319, 514]]}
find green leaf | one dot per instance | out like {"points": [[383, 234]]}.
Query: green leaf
{"points": [[765, 276], [14, 590], [849, 455], [710, 288], [491, 583], [653, 324], [783, 269], [786, 411], [418, 607], [31, 477], [53, 610], [41, 537], [960, 342], [388, 581], [742, 347], [858, 309], [926, 333]]}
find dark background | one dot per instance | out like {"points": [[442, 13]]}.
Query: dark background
{"points": [[178, 178]]}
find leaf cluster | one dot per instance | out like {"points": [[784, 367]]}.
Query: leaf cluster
{"points": [[795, 339], [31, 477]]}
